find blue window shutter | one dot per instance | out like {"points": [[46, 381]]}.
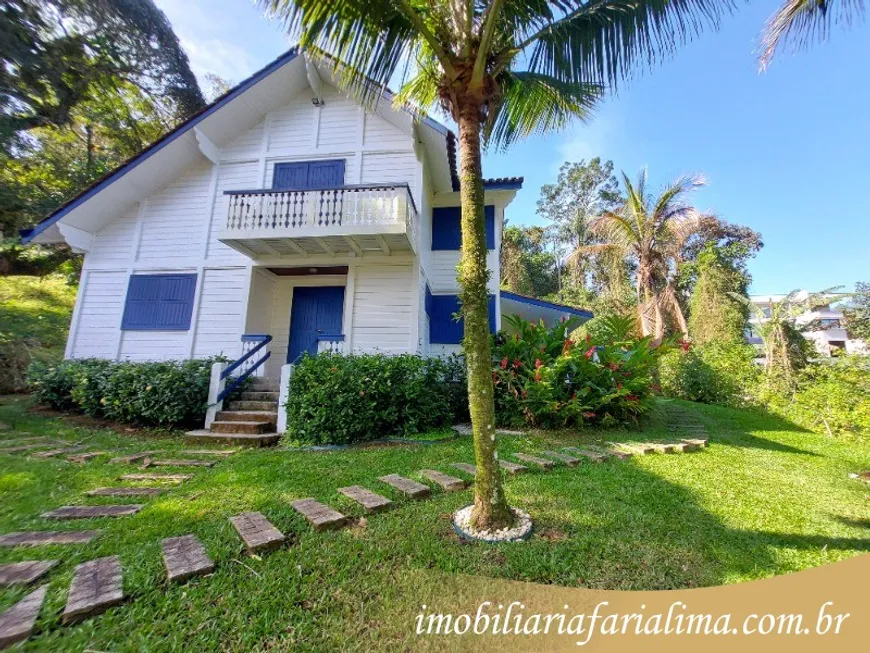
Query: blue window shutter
{"points": [[447, 232], [159, 302], [290, 176], [445, 330], [326, 174], [303, 175]]}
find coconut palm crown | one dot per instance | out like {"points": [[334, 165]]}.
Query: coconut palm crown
{"points": [[501, 69]]}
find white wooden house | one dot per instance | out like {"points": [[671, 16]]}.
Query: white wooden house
{"points": [[282, 209]]}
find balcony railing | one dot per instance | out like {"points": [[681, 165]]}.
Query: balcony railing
{"points": [[331, 343], [345, 210]]}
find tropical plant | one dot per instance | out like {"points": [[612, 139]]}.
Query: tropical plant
{"points": [[803, 21], [715, 316], [651, 230], [526, 266], [502, 69]]}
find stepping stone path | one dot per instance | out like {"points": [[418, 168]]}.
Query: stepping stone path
{"points": [[366, 498], [133, 458], [125, 492], [636, 448], [512, 468], [180, 463], [447, 483], [613, 452], [174, 478], [319, 515], [96, 587], [257, 533], [700, 442], [594, 456], [24, 573], [54, 452], [185, 558], [406, 486], [465, 467], [37, 538], [23, 447], [211, 452], [661, 447], [85, 457], [571, 461], [16, 624], [90, 512], [543, 463]]}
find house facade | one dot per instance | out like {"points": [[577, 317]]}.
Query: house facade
{"points": [[284, 208]]}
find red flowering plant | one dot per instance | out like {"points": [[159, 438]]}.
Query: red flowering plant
{"points": [[606, 379]]}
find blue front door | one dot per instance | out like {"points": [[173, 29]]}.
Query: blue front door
{"points": [[316, 312]]}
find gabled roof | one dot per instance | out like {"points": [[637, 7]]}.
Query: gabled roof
{"points": [[436, 135]]}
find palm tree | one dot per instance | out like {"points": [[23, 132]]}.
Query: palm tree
{"points": [[804, 21], [502, 70], [650, 231]]}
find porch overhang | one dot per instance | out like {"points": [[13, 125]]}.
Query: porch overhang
{"points": [[534, 310]]}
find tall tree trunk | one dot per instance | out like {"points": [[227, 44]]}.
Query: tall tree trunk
{"points": [[490, 508]]}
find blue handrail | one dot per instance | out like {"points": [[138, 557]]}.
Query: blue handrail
{"points": [[264, 339]]}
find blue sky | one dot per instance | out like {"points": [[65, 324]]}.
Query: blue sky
{"points": [[785, 152]]}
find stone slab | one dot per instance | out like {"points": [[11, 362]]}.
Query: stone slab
{"points": [[96, 586], [173, 478], [22, 447], [636, 448], [85, 457], [185, 557], [571, 461], [39, 538], [52, 453], [594, 456], [132, 458], [699, 442], [24, 573], [661, 447], [543, 463], [210, 452], [256, 532], [512, 468], [182, 462], [125, 491], [462, 429], [16, 624], [610, 451], [446, 482], [91, 512], [366, 498], [319, 515], [406, 486], [465, 467]]}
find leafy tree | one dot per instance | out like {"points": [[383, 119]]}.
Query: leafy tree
{"points": [[858, 312], [804, 21], [582, 192], [651, 230], [526, 266], [502, 70], [58, 54], [715, 316]]}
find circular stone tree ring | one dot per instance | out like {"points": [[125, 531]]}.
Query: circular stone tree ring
{"points": [[519, 532]]}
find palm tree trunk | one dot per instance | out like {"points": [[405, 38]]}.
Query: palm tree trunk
{"points": [[490, 508]]}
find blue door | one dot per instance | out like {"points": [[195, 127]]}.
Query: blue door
{"points": [[316, 312]]}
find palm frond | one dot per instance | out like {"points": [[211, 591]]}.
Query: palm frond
{"points": [[531, 103], [605, 40], [802, 22]]}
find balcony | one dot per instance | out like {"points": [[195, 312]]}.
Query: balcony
{"points": [[350, 220]]}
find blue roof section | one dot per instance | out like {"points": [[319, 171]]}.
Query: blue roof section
{"points": [[531, 301], [29, 234]]}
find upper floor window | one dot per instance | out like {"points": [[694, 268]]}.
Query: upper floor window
{"points": [[159, 302], [444, 328], [308, 175], [447, 231]]}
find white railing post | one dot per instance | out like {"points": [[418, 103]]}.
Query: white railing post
{"points": [[215, 387], [283, 395]]}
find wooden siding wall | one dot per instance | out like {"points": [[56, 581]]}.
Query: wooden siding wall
{"points": [[176, 228]]}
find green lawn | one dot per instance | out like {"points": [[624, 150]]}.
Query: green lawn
{"points": [[763, 499]]}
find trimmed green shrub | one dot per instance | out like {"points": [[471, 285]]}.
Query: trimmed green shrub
{"points": [[544, 379], [172, 393], [714, 373], [341, 399]]}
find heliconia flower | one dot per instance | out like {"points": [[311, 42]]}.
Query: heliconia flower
{"points": [[589, 415], [538, 363], [517, 363], [685, 345], [504, 362], [566, 346], [538, 376], [590, 352], [588, 339]]}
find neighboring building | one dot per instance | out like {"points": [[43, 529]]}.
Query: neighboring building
{"points": [[825, 325], [283, 208]]}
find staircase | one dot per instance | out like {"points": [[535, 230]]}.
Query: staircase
{"points": [[249, 421]]}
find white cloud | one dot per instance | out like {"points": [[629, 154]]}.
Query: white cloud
{"points": [[218, 56]]}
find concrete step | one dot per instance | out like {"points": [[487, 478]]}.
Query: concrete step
{"points": [[247, 416], [260, 396], [202, 436], [260, 384], [251, 428], [265, 406]]}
